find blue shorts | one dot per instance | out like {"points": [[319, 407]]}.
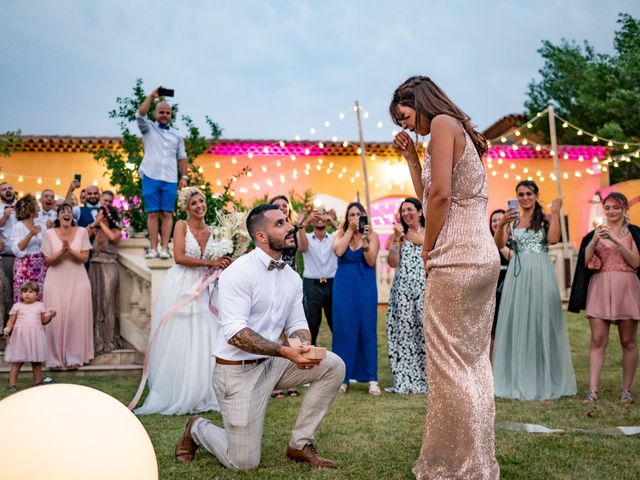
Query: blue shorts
{"points": [[159, 196]]}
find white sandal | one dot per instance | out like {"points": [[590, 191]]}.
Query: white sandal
{"points": [[374, 389], [344, 388]]}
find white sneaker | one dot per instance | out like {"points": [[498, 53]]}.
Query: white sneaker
{"points": [[164, 254], [151, 253]]}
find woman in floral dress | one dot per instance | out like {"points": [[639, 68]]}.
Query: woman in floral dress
{"points": [[404, 322]]}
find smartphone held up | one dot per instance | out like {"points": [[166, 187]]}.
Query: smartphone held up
{"points": [[363, 221], [165, 92], [512, 205]]}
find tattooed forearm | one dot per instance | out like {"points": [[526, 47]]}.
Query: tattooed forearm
{"points": [[252, 342], [303, 335]]}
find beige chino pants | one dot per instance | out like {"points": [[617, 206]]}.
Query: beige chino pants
{"points": [[244, 391]]}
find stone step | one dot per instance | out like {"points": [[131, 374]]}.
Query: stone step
{"points": [[124, 356], [122, 360], [86, 370]]}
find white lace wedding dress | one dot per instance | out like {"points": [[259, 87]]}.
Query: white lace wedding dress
{"points": [[181, 361]]}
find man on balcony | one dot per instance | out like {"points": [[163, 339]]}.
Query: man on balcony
{"points": [[164, 155]]}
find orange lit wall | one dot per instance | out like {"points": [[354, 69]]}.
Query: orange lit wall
{"points": [[389, 177]]}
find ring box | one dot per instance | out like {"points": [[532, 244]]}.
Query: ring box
{"points": [[315, 353]]}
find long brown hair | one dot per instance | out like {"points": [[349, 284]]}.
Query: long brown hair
{"points": [[359, 206], [538, 219], [428, 100]]}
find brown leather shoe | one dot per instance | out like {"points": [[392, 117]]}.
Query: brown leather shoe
{"points": [[186, 447], [309, 455]]}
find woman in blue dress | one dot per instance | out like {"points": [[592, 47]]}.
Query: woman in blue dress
{"points": [[531, 356], [355, 299]]}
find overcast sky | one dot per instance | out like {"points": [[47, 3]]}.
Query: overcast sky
{"points": [[275, 69]]}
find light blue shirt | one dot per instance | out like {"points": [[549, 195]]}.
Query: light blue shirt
{"points": [[162, 150], [319, 260]]}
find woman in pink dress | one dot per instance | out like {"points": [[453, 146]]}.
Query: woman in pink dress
{"points": [[606, 283], [67, 290]]}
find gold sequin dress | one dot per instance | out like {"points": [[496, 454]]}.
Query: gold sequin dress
{"points": [[459, 304]]}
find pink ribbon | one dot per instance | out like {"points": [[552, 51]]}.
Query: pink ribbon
{"points": [[202, 284]]}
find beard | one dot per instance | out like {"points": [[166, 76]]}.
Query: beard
{"points": [[92, 202], [281, 245], [9, 198], [278, 245]]}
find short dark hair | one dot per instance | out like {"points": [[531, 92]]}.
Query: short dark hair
{"points": [[416, 203], [64, 206], [30, 285], [256, 218], [108, 192]]}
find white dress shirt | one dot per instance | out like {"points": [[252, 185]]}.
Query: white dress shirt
{"points": [[6, 229], [319, 260], [162, 150], [43, 217], [20, 231], [266, 301]]}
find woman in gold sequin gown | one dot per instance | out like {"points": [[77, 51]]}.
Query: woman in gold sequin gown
{"points": [[462, 271]]}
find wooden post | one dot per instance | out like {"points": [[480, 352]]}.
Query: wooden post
{"points": [[364, 159], [554, 148]]}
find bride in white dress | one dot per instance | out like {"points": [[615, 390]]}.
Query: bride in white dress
{"points": [[181, 362]]}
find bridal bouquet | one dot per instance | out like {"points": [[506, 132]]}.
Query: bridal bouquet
{"points": [[231, 233]]}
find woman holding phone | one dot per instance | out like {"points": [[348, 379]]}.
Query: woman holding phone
{"points": [[531, 357], [355, 299], [606, 284]]}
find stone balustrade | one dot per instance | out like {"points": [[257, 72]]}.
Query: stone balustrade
{"points": [[140, 283], [141, 280]]}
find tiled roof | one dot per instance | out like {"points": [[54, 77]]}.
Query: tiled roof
{"points": [[69, 144], [504, 125]]}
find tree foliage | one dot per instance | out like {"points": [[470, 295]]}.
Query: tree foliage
{"points": [[596, 91], [122, 164], [10, 142]]}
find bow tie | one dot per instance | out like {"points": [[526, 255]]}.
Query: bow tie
{"points": [[163, 126], [273, 265]]}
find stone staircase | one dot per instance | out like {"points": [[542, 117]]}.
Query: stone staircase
{"points": [[126, 361]]}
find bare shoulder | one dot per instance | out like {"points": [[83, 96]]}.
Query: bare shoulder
{"points": [[444, 123], [181, 226]]}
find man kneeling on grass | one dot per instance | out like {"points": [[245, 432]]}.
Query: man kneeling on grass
{"points": [[259, 297]]}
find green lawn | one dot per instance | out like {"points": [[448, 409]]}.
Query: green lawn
{"points": [[379, 438]]}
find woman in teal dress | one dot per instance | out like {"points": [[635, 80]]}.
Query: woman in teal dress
{"points": [[532, 359]]}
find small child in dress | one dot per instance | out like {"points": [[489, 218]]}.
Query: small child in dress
{"points": [[28, 342]]}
